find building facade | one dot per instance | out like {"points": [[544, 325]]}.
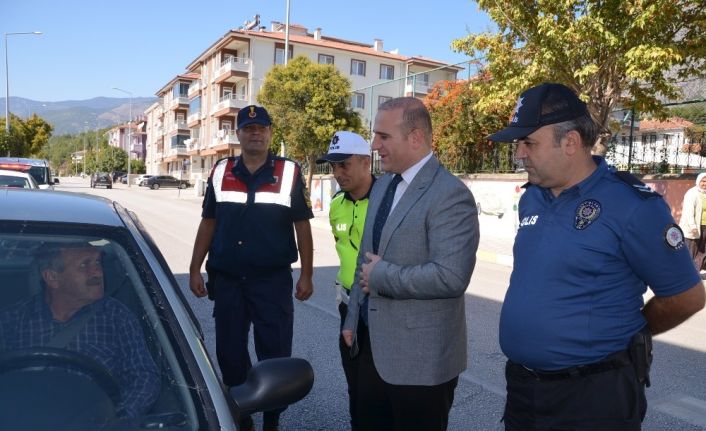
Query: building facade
{"points": [[193, 124]]}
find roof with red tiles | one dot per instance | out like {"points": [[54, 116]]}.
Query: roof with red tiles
{"points": [[668, 124]]}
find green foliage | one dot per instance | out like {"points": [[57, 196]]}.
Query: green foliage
{"points": [[612, 52], [696, 113], [460, 128], [308, 103], [26, 138]]}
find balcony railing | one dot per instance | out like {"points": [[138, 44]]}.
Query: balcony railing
{"points": [[183, 99], [231, 101], [193, 144], [194, 89], [192, 118], [418, 87], [179, 150], [232, 64]]}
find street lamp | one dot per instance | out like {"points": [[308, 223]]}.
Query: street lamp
{"points": [[129, 134], [7, 85]]}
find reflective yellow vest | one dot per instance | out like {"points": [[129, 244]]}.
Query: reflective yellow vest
{"points": [[347, 220]]}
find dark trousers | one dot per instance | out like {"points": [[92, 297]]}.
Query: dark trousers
{"points": [[697, 248], [385, 407], [606, 401], [350, 369], [265, 302]]}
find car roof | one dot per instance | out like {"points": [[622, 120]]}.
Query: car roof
{"points": [[33, 162], [56, 206]]}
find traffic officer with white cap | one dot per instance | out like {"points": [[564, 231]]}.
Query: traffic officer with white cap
{"points": [[349, 157]]}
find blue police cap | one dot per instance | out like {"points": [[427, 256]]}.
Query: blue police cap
{"points": [[253, 115]]}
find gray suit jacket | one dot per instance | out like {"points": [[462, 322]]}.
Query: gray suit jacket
{"points": [[416, 313]]}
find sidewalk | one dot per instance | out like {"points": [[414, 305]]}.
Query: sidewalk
{"points": [[494, 246]]}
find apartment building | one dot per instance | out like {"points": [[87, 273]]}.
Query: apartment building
{"points": [[193, 124], [130, 137]]}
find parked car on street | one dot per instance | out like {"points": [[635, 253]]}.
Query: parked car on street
{"points": [[139, 180], [165, 181], [101, 179], [16, 175], [47, 384]]}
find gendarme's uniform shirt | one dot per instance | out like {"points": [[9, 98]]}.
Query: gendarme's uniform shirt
{"points": [[347, 218], [582, 261], [254, 215]]}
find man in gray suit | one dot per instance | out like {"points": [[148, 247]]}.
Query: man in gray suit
{"points": [[416, 259]]}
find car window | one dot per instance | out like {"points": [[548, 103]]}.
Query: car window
{"points": [[110, 356], [16, 182]]}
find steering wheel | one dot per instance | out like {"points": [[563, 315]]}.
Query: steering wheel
{"points": [[36, 358], [45, 388]]}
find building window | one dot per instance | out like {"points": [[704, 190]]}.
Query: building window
{"points": [[383, 99], [423, 78], [387, 71], [279, 53], [358, 67], [325, 59], [181, 90], [358, 101]]}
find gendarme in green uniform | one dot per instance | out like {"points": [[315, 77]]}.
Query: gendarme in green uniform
{"points": [[347, 218]]}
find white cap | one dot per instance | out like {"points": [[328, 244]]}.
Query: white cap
{"points": [[343, 145]]}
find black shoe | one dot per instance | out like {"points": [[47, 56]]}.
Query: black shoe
{"points": [[246, 424], [270, 421]]}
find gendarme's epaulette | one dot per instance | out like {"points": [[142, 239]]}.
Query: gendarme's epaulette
{"points": [[638, 186]]}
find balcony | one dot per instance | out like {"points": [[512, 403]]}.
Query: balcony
{"points": [[176, 127], [179, 150], [192, 144], [232, 69], [177, 102], [193, 119], [194, 89], [229, 104], [421, 87]]}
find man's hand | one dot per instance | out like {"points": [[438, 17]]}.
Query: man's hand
{"points": [[695, 232], [347, 335], [366, 268], [305, 288], [196, 285]]}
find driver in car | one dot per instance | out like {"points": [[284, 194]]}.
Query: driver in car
{"points": [[71, 312]]}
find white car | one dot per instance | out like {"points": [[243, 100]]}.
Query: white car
{"points": [[140, 178], [16, 176]]}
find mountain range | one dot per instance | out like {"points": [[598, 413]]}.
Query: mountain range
{"points": [[73, 116]]}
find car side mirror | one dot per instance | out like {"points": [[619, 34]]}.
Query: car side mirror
{"points": [[56, 181], [273, 384]]}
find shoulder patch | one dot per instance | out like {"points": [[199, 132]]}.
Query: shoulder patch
{"points": [[673, 237], [643, 190]]}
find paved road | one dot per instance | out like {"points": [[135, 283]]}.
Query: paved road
{"points": [[171, 216]]}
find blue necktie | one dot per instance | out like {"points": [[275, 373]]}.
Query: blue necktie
{"points": [[384, 211], [380, 219]]}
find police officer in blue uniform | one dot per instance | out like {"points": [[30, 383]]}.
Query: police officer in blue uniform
{"points": [[253, 206], [573, 325]]}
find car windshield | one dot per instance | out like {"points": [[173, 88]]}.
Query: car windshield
{"points": [[85, 338], [13, 181]]}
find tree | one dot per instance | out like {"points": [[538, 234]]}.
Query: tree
{"points": [[612, 52], [308, 103], [37, 134], [460, 128]]}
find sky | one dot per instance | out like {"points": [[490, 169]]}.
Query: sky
{"points": [[90, 46]]}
